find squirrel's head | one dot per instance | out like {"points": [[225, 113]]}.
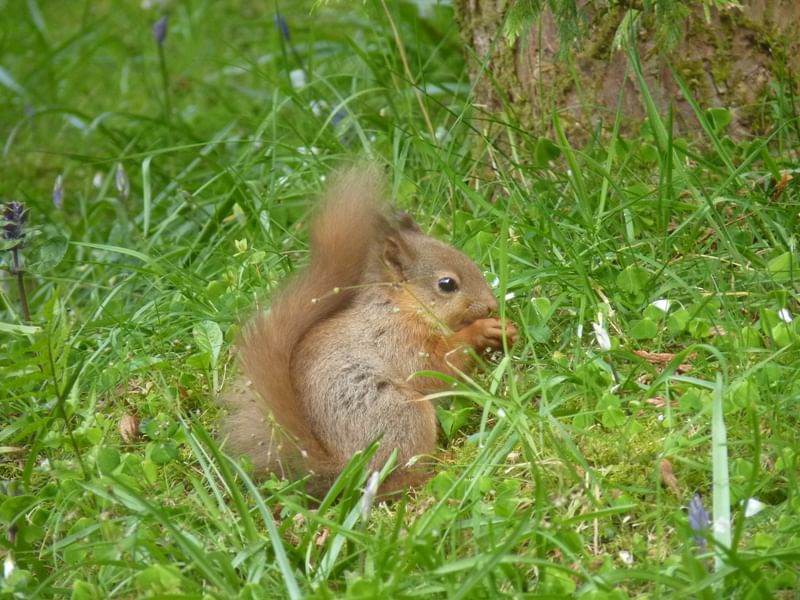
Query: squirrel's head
{"points": [[436, 279]]}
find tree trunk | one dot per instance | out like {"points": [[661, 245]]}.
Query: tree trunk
{"points": [[744, 60]]}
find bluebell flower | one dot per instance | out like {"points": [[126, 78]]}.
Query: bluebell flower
{"points": [[14, 217], [338, 117], [699, 521], [283, 27], [160, 30]]}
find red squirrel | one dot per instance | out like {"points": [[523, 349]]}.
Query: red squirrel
{"points": [[331, 366]]}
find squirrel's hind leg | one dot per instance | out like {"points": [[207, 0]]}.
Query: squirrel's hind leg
{"points": [[409, 426], [249, 430]]}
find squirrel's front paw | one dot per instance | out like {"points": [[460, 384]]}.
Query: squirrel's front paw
{"points": [[487, 333]]}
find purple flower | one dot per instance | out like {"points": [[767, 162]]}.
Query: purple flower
{"points": [[283, 27], [699, 521], [58, 192], [160, 30], [13, 219]]}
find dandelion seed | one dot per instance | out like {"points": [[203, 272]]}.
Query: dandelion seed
{"points": [[699, 521], [602, 337], [784, 315], [753, 506], [663, 304], [160, 30], [369, 495], [298, 78], [122, 182], [58, 192]]}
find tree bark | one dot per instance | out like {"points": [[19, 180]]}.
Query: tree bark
{"points": [[740, 60]]}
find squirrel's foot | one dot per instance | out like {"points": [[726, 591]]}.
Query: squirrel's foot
{"points": [[488, 333]]}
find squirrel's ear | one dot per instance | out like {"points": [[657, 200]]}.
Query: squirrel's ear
{"points": [[397, 255], [404, 222]]}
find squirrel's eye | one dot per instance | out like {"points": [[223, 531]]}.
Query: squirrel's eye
{"points": [[448, 284]]}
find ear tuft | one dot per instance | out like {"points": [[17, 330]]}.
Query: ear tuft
{"points": [[405, 222]]}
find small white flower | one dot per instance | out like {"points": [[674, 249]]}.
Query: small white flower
{"points": [[441, 134], [369, 495], [298, 78], [601, 335], [97, 180], [753, 506], [317, 106], [501, 413], [663, 304], [626, 557], [510, 296], [305, 150], [784, 315], [8, 566], [122, 182], [495, 282]]}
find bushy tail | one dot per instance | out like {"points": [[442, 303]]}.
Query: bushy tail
{"points": [[342, 234]]}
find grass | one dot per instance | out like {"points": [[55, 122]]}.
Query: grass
{"points": [[564, 469]]}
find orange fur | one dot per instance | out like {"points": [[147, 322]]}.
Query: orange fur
{"points": [[332, 363]]}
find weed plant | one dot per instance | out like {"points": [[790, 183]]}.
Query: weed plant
{"points": [[168, 173]]}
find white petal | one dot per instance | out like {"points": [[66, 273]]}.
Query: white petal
{"points": [[510, 296], [601, 335], [753, 507], [663, 304], [784, 315], [298, 78], [626, 557], [8, 566]]}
